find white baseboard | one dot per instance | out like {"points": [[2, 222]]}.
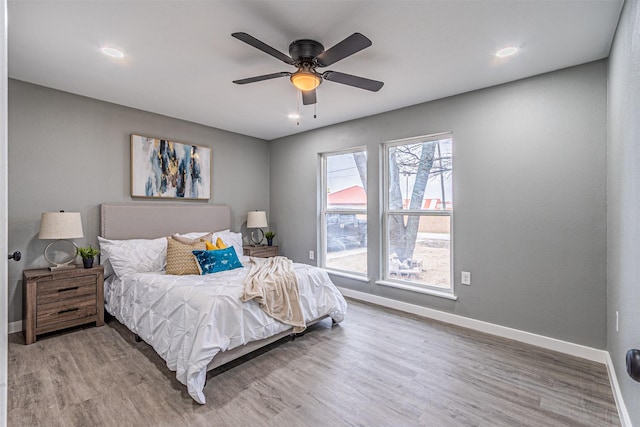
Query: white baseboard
{"points": [[625, 419], [14, 327], [554, 344]]}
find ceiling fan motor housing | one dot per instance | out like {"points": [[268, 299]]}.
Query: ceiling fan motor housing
{"points": [[305, 51]]}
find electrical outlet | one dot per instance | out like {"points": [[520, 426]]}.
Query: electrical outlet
{"points": [[617, 322], [466, 278], [311, 255]]}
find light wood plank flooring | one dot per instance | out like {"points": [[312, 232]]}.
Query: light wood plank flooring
{"points": [[378, 368]]}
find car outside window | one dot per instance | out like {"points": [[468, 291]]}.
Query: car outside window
{"points": [[343, 225]]}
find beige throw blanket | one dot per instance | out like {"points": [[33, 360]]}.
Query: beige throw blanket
{"points": [[273, 284]]}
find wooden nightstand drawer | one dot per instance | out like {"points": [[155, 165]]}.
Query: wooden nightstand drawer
{"points": [[55, 290], [62, 311], [260, 251], [61, 299]]}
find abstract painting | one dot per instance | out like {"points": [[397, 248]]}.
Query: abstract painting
{"points": [[165, 169]]}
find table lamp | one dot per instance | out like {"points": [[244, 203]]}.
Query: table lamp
{"points": [[60, 226], [257, 220]]}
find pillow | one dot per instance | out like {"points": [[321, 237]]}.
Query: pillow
{"points": [[106, 264], [188, 240], [218, 245], [225, 231], [217, 260], [180, 259], [134, 255], [230, 238]]}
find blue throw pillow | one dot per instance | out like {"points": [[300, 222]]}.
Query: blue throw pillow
{"points": [[217, 260]]}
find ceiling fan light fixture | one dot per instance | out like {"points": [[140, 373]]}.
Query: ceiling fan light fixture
{"points": [[305, 80]]}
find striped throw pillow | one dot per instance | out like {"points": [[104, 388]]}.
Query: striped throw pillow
{"points": [[180, 258]]}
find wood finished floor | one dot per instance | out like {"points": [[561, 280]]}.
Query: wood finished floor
{"points": [[378, 368]]}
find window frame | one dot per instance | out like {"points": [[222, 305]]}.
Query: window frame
{"points": [[324, 211], [384, 272]]}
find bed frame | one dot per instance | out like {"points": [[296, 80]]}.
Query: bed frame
{"points": [[153, 220]]}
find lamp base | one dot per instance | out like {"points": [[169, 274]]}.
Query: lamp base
{"points": [[66, 263], [62, 267], [257, 236]]}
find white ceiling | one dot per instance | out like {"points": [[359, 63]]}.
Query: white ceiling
{"points": [[181, 59]]}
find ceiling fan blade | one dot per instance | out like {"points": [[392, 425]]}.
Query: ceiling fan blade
{"points": [[261, 78], [352, 44], [348, 79], [250, 40], [308, 97]]}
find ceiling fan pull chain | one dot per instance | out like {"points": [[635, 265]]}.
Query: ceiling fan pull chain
{"points": [[315, 110], [298, 96]]}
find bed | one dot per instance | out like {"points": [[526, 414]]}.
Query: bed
{"points": [[194, 322]]}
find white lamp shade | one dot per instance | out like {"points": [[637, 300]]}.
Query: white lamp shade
{"points": [[257, 219], [60, 225]]}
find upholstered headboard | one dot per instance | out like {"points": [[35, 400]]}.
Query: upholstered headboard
{"points": [[151, 220]]}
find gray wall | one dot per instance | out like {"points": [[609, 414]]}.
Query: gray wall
{"points": [[529, 197], [623, 215], [70, 152]]}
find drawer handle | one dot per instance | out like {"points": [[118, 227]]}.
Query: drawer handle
{"points": [[68, 310], [68, 289]]}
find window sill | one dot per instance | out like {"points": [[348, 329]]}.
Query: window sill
{"points": [[417, 289], [348, 275]]}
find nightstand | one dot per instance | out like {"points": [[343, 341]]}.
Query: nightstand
{"points": [[260, 251], [55, 300]]}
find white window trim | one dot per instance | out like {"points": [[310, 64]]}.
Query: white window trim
{"points": [[419, 289], [387, 280], [322, 238], [353, 276]]}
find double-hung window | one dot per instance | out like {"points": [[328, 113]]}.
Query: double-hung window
{"points": [[344, 211], [418, 206]]}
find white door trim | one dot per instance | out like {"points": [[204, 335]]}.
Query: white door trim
{"points": [[4, 313]]}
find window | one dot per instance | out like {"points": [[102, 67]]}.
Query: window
{"points": [[344, 211], [418, 205]]}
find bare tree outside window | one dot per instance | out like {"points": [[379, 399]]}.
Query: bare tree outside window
{"points": [[419, 205]]}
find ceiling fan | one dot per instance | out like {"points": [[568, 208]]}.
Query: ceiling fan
{"points": [[308, 55]]}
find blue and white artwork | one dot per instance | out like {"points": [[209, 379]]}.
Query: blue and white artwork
{"points": [[167, 169]]}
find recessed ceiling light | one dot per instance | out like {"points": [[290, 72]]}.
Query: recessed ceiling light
{"points": [[113, 52], [294, 116], [507, 51]]}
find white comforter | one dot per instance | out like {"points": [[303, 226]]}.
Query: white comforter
{"points": [[190, 319]]}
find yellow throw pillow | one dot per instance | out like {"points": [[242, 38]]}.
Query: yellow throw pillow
{"points": [[219, 245], [180, 258]]}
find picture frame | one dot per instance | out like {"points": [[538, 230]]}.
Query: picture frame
{"points": [[165, 169]]}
